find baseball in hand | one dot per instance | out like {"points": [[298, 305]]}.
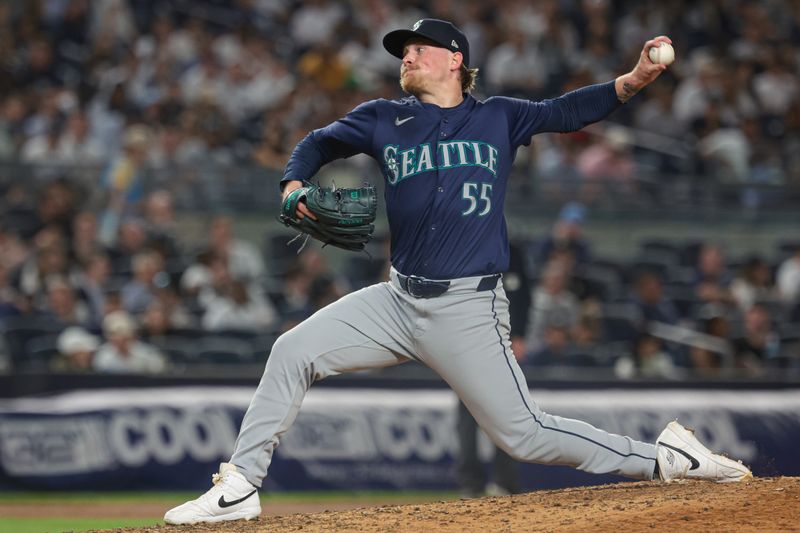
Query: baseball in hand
{"points": [[662, 54]]}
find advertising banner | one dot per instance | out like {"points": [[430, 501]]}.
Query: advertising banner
{"points": [[174, 438]]}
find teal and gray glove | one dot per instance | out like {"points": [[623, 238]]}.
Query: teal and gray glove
{"points": [[344, 216]]}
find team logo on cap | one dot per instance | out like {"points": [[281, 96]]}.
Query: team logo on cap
{"points": [[416, 25], [453, 43]]}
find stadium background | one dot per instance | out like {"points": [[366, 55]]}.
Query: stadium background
{"points": [[140, 147]]}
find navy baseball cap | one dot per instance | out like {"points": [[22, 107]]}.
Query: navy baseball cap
{"points": [[441, 32]]}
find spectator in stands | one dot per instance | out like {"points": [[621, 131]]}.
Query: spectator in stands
{"points": [[77, 145], [64, 305], [84, 242], [13, 112], [210, 283], [7, 293], [776, 85], [241, 307], [650, 300], [160, 226], [323, 291], [123, 181], [307, 279], [46, 114], [712, 279], [19, 212], [92, 283], [109, 109], [76, 350], [696, 91], [271, 152], [724, 149], [654, 113], [608, 167], [322, 66], [556, 165], [156, 323], [553, 303], [558, 349], [13, 249], [788, 278], [759, 343], [753, 284], [587, 336], [49, 258], [197, 279], [42, 149], [551, 350], [315, 21], [567, 235], [294, 302], [711, 352], [123, 352], [178, 313], [242, 258], [648, 360], [57, 205], [131, 240], [148, 278], [515, 67]]}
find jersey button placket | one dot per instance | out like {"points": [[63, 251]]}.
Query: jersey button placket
{"points": [[438, 198]]}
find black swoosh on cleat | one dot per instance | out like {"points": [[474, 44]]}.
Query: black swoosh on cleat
{"points": [[222, 503], [695, 462]]}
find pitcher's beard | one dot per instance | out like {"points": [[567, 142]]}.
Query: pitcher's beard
{"points": [[409, 85]]}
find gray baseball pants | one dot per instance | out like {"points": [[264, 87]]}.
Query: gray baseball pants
{"points": [[463, 335]]}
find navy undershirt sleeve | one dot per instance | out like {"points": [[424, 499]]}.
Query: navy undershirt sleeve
{"points": [[569, 112], [348, 136]]}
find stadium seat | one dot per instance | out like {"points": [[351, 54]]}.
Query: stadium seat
{"points": [[620, 323], [41, 351], [178, 349], [262, 345], [789, 332], [223, 350], [278, 254], [690, 252], [659, 252], [18, 330], [786, 249]]}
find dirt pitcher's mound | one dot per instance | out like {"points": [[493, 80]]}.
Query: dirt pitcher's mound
{"points": [[763, 504]]}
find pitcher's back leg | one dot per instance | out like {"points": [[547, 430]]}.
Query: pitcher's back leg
{"points": [[363, 330]]}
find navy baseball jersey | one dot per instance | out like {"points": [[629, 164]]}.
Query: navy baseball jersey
{"points": [[446, 170]]}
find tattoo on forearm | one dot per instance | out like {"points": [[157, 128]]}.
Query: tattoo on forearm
{"points": [[628, 90]]}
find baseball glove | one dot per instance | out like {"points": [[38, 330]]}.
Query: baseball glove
{"points": [[345, 216]]}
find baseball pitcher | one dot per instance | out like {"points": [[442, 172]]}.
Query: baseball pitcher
{"points": [[446, 159]]}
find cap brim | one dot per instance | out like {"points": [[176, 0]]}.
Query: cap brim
{"points": [[395, 41]]}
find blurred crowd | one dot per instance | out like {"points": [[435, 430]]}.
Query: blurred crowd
{"points": [[147, 299], [130, 87], [240, 81], [678, 308]]}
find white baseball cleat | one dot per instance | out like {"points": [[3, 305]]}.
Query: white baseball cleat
{"points": [[681, 456], [231, 498]]}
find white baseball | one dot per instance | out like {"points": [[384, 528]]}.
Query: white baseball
{"points": [[662, 54]]}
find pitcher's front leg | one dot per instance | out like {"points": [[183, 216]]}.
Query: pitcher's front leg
{"points": [[471, 350]]}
